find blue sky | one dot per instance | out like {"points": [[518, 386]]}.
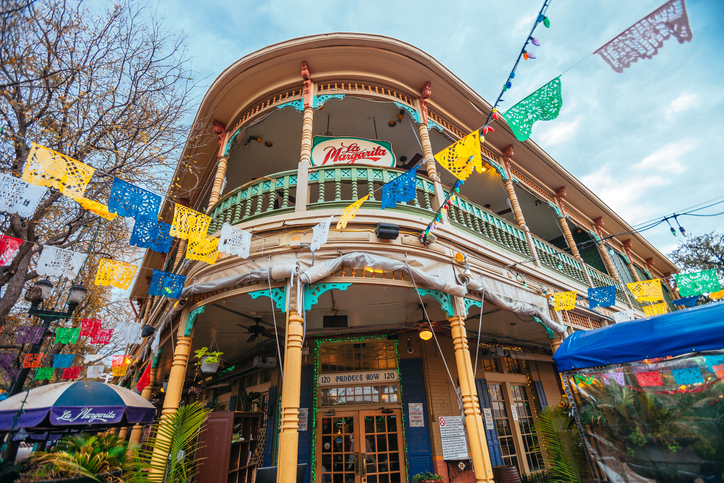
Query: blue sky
{"points": [[648, 141]]}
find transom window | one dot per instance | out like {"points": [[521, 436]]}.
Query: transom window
{"points": [[359, 356], [338, 396]]}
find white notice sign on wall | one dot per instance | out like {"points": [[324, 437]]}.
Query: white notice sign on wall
{"points": [[452, 434], [417, 417], [514, 412], [488, 414], [303, 419]]}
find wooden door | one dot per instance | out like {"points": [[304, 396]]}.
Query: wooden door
{"points": [[383, 450]]}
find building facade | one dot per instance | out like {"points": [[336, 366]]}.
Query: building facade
{"points": [[374, 336]]}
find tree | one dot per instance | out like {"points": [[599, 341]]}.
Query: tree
{"points": [[702, 252], [109, 89]]}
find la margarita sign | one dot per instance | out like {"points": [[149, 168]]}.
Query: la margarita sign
{"points": [[327, 151]]}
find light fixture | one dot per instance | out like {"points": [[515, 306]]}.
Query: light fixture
{"points": [[387, 231], [386, 411], [268, 144], [45, 286], [77, 294], [401, 114], [425, 333], [392, 123], [252, 138], [330, 413]]}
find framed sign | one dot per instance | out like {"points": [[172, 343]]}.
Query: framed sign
{"points": [[417, 417], [329, 151], [365, 377], [452, 435]]}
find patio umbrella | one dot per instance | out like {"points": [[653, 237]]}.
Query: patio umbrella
{"points": [[75, 404]]}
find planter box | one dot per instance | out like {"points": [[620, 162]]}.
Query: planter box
{"points": [[208, 367]]}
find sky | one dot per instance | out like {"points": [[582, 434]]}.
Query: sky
{"points": [[647, 141]]}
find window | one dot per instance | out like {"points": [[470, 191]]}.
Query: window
{"points": [[502, 425], [339, 396], [525, 422], [358, 356], [489, 365], [513, 366]]}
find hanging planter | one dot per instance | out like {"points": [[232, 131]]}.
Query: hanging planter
{"points": [[208, 360]]}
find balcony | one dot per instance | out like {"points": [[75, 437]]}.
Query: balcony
{"points": [[337, 186]]}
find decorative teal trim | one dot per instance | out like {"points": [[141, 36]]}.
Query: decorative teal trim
{"points": [[470, 302], [443, 298], [595, 235], [191, 319], [556, 208], [413, 112], [154, 364], [433, 125], [318, 101], [278, 295], [298, 105], [313, 292], [549, 331], [231, 142], [499, 169]]}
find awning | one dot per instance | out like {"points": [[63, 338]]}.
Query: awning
{"points": [[694, 330]]}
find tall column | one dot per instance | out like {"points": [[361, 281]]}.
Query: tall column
{"points": [[288, 436], [513, 197], [603, 251], [218, 182], [176, 380], [471, 406], [305, 155], [560, 195], [428, 153]]}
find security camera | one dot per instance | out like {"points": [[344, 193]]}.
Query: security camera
{"points": [[410, 350]]}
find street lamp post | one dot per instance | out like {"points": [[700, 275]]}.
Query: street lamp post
{"points": [[39, 292]]}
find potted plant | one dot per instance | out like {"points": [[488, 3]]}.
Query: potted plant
{"points": [[208, 360], [426, 476]]}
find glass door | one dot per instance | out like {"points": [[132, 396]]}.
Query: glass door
{"points": [[339, 462], [378, 458], [382, 455]]}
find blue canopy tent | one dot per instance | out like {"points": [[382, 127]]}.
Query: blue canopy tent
{"points": [[648, 396], [694, 330]]}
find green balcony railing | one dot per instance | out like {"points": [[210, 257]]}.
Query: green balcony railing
{"points": [[341, 185], [553, 257], [490, 226], [268, 196]]}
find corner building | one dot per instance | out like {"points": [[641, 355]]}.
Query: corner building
{"points": [[358, 386]]}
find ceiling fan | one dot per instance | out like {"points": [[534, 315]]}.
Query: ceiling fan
{"points": [[256, 330]]}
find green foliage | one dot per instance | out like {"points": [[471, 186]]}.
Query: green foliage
{"points": [[211, 356], [424, 476], [637, 420], [703, 252], [562, 445], [176, 435], [102, 458]]}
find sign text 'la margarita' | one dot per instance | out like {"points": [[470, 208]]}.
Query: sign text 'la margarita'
{"points": [[329, 151]]}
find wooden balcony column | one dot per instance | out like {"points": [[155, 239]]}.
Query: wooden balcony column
{"points": [[175, 386], [305, 155], [627, 249], [560, 195], [471, 406], [220, 131], [598, 223], [427, 151], [513, 197]]}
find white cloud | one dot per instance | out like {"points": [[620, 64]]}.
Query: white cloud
{"points": [[681, 103], [524, 24], [559, 132], [666, 158], [622, 195]]}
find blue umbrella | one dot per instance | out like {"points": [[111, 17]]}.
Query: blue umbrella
{"points": [[77, 403]]}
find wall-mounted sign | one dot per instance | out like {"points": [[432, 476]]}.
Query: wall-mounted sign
{"points": [[514, 412], [327, 151], [363, 377], [488, 419], [303, 419], [452, 434], [417, 417]]}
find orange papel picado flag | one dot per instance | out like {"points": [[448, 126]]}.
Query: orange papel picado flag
{"points": [[656, 309], [115, 274], [189, 224], [97, 208], [461, 157], [349, 213], [647, 291], [206, 250], [45, 167], [565, 300]]}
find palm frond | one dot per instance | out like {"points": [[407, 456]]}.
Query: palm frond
{"points": [[562, 445]]}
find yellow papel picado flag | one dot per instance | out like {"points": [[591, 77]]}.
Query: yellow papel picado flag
{"points": [[189, 224], [349, 213], [115, 274], [565, 300], [647, 291], [206, 250], [656, 309], [45, 167], [461, 157]]}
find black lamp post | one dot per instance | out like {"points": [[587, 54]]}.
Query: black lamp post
{"points": [[39, 292]]}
